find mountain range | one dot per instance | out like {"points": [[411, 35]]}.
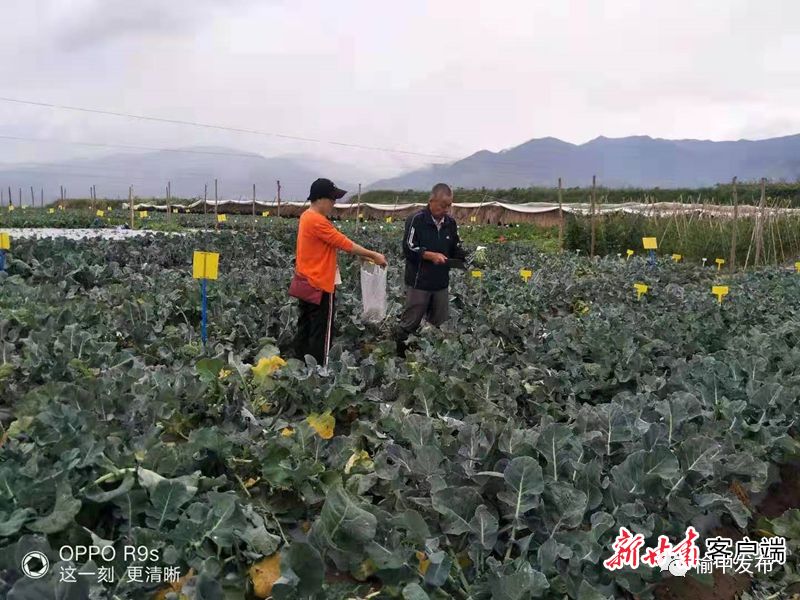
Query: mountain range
{"points": [[188, 170], [638, 161]]}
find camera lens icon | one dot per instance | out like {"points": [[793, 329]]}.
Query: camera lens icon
{"points": [[35, 564], [674, 564]]}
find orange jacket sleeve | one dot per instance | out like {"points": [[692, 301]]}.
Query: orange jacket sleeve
{"points": [[324, 230]]}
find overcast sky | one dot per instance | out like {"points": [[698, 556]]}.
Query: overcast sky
{"points": [[444, 77]]}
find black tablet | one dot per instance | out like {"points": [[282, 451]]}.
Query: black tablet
{"points": [[456, 263]]}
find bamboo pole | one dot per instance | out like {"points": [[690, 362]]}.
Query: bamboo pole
{"points": [[780, 237], [205, 199], [734, 230], [10, 197], [279, 197], [594, 210], [41, 197], [169, 207], [254, 207], [760, 224], [560, 218], [216, 207], [33, 199], [771, 220], [130, 205]]}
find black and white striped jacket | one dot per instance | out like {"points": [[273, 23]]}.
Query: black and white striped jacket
{"points": [[421, 234]]}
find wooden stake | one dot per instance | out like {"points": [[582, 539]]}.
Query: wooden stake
{"points": [[169, 206], [130, 205], [10, 197], [279, 197], [594, 211], [358, 206], [734, 232], [20, 197], [560, 219], [254, 207], [205, 199], [216, 207]]}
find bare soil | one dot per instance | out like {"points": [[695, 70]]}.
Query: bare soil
{"points": [[781, 497]]}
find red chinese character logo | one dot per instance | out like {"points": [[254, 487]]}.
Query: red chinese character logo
{"points": [[687, 550], [654, 556], [626, 550]]}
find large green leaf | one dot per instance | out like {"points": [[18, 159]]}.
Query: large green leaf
{"points": [[343, 523], [64, 512], [166, 499], [524, 481]]}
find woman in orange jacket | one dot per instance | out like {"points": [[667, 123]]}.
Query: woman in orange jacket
{"points": [[316, 271]]}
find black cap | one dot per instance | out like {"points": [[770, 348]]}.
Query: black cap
{"points": [[324, 188]]}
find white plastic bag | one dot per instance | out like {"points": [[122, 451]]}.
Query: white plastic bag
{"points": [[373, 291]]}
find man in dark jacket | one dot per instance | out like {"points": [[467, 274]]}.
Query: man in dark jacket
{"points": [[429, 240]]}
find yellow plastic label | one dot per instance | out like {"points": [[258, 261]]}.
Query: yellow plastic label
{"points": [[108, 208], [650, 243], [473, 219], [265, 213], [630, 253], [525, 274], [360, 215], [222, 218], [641, 290], [797, 267], [205, 265], [10, 207], [142, 214], [677, 257], [51, 210], [477, 274], [388, 219], [100, 213], [720, 262], [720, 291], [61, 207], [5, 241]]}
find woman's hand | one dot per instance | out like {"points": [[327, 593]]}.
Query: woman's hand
{"points": [[379, 259]]}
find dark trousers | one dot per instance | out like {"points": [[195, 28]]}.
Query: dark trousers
{"points": [[315, 329], [434, 306]]}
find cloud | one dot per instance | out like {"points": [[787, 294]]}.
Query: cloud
{"points": [[89, 23]]}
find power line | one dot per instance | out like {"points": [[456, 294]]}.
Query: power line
{"points": [[223, 128]]}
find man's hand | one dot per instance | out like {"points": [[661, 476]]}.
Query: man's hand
{"points": [[436, 258]]}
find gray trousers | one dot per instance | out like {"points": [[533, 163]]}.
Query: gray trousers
{"points": [[435, 306]]}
